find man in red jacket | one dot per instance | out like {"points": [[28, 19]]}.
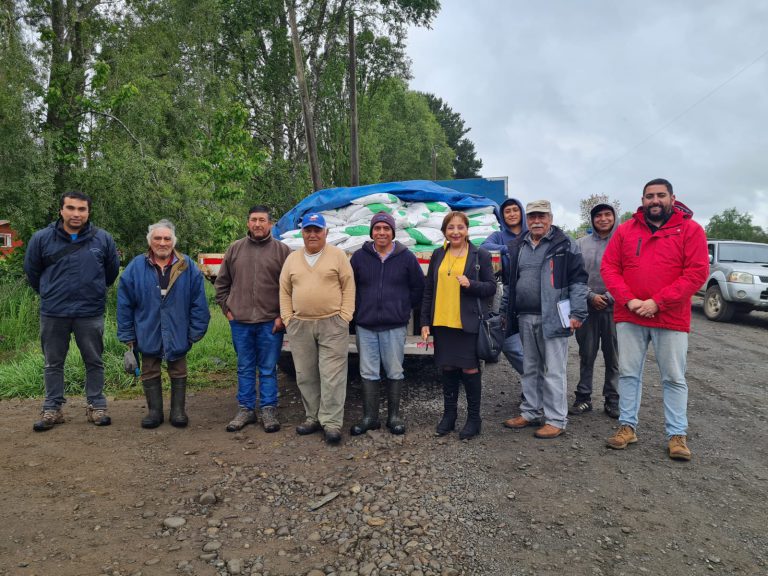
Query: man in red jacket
{"points": [[653, 265]]}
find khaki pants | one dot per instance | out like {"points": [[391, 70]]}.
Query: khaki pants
{"points": [[320, 350]]}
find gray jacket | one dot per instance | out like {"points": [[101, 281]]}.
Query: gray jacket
{"points": [[562, 278], [592, 249]]}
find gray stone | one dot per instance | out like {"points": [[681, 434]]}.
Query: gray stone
{"points": [[235, 566], [211, 546], [208, 498], [174, 522]]}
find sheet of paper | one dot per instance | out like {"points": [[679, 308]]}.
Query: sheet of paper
{"points": [[564, 310]]}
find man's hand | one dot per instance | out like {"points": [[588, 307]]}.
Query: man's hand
{"points": [[575, 323], [647, 309], [230, 317], [278, 325], [599, 302], [425, 333], [634, 304]]}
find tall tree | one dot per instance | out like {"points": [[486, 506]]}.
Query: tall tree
{"points": [[26, 194], [466, 164]]}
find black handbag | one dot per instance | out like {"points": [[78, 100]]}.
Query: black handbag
{"points": [[490, 336]]}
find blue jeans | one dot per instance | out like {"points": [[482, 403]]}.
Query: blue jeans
{"points": [[513, 350], [385, 348], [256, 347], [55, 335], [671, 349]]}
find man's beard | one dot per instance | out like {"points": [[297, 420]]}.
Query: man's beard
{"points": [[666, 212]]}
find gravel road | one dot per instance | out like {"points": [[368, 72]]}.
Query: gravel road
{"points": [[121, 501]]}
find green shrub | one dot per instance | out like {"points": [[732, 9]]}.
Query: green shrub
{"points": [[211, 362]]}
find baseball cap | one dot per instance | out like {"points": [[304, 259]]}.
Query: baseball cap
{"points": [[313, 219], [542, 206]]}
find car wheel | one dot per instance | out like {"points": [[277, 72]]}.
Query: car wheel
{"points": [[717, 308]]}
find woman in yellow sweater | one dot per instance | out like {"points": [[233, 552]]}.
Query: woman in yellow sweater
{"points": [[459, 283]]}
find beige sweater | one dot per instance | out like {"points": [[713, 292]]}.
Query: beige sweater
{"points": [[321, 291]]}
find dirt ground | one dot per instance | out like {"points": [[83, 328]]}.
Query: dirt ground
{"points": [[80, 500]]}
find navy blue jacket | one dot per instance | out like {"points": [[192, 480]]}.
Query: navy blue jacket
{"points": [[163, 327], [482, 285], [76, 285], [385, 292]]}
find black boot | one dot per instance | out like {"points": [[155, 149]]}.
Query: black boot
{"points": [[153, 390], [450, 380], [178, 416], [473, 387], [370, 408], [395, 424]]}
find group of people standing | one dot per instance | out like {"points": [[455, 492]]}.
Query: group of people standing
{"points": [[618, 289]]}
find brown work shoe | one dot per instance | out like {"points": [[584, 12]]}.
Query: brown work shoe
{"points": [[269, 419], [519, 422], [48, 419], [243, 417], [308, 427], [97, 416], [624, 436], [548, 431], [678, 448]]}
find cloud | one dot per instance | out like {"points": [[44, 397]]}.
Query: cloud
{"points": [[570, 98]]}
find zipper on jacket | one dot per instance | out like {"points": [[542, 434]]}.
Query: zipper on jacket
{"points": [[639, 242], [552, 272]]}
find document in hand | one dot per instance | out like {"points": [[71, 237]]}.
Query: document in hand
{"points": [[564, 311]]}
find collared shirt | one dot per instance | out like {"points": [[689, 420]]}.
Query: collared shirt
{"points": [[163, 272], [387, 254]]}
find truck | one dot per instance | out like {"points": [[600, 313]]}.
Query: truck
{"points": [[412, 191], [737, 281]]}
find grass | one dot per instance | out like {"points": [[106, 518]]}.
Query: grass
{"points": [[211, 362]]}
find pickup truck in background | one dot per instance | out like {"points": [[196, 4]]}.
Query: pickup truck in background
{"points": [[738, 279]]}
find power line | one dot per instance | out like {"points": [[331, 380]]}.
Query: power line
{"points": [[673, 120]]}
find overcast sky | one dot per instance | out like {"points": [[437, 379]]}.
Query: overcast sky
{"points": [[569, 98]]}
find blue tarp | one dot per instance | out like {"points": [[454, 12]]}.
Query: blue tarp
{"points": [[410, 191]]}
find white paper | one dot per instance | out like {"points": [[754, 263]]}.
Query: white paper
{"points": [[564, 310]]}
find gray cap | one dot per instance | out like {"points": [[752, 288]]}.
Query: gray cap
{"points": [[538, 206]]}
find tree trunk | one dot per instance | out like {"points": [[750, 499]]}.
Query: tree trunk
{"points": [[354, 151], [314, 161]]}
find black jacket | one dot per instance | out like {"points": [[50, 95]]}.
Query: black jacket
{"points": [[481, 285], [76, 285]]}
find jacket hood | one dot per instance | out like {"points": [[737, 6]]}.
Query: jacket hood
{"points": [[599, 207], [523, 222]]}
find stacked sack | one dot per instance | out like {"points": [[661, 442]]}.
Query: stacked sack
{"points": [[417, 223]]}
